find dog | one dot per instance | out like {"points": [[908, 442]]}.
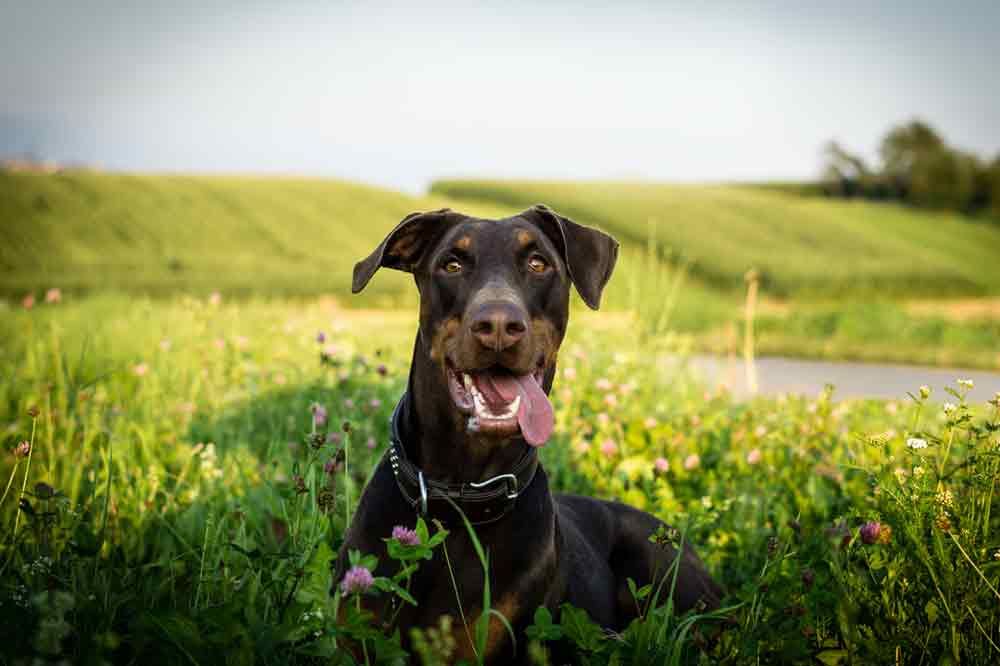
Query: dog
{"points": [[494, 306]]}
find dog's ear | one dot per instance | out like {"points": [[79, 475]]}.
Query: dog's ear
{"points": [[589, 254], [404, 245]]}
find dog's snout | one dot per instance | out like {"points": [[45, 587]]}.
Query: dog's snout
{"points": [[499, 325]]}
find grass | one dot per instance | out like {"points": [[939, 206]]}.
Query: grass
{"points": [[685, 250], [176, 504], [804, 248], [163, 235]]}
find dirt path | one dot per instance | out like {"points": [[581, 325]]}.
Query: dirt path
{"points": [[853, 380]]}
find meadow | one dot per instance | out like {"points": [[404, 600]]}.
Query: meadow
{"points": [[802, 247], [838, 279], [174, 494]]}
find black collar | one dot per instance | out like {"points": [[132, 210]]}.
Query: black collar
{"points": [[483, 502]]}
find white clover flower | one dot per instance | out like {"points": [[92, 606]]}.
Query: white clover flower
{"points": [[916, 443], [966, 384]]}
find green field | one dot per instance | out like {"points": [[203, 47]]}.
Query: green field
{"points": [[163, 235], [804, 248], [174, 506], [840, 271]]}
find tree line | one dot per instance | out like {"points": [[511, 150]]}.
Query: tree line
{"points": [[916, 167]]}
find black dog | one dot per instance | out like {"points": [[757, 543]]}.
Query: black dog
{"points": [[494, 304]]}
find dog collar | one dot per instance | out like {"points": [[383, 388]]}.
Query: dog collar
{"points": [[481, 502]]}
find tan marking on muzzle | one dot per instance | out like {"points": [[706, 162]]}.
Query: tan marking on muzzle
{"points": [[546, 339], [525, 238], [463, 243], [442, 334]]}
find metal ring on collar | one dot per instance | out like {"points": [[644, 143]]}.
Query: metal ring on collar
{"points": [[423, 493]]}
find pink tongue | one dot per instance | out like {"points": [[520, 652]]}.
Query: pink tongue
{"points": [[535, 413]]}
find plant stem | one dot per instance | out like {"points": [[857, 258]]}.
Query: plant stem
{"points": [[27, 469]]}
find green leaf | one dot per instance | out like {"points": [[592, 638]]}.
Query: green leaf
{"points": [[932, 611], [542, 629], [579, 628], [832, 657]]}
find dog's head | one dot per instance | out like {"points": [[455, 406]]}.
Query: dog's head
{"points": [[494, 303]]}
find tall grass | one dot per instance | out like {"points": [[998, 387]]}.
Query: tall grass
{"points": [[184, 500]]}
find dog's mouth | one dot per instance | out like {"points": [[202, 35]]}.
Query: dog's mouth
{"points": [[500, 403]]}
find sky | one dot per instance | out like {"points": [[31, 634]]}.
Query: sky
{"points": [[401, 94]]}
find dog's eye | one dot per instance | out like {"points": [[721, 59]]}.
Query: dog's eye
{"points": [[537, 264], [452, 266]]}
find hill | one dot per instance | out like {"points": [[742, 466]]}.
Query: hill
{"points": [[163, 234], [805, 248]]}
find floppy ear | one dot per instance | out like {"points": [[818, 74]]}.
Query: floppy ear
{"points": [[589, 254], [404, 245]]}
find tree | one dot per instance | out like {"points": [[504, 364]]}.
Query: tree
{"points": [[904, 150], [845, 174]]}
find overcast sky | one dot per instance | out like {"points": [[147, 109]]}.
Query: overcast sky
{"points": [[399, 95]]}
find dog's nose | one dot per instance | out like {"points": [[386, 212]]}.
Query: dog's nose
{"points": [[499, 325]]}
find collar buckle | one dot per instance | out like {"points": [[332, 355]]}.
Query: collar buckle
{"points": [[512, 488]]}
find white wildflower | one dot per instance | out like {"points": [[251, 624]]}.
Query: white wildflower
{"points": [[916, 443]]}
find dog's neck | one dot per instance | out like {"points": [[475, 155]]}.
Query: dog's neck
{"points": [[434, 433]]}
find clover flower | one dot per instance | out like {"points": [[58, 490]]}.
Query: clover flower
{"points": [[662, 465], [608, 447], [916, 443], [356, 581], [405, 536], [569, 373], [371, 443], [22, 450], [321, 337], [215, 298], [53, 295], [319, 414], [754, 457], [949, 408], [692, 462], [28, 302], [604, 384], [140, 369], [874, 532]]}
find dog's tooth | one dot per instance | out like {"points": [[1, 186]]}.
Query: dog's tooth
{"points": [[467, 380]]}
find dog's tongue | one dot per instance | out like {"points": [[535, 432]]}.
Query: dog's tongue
{"points": [[535, 413]]}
